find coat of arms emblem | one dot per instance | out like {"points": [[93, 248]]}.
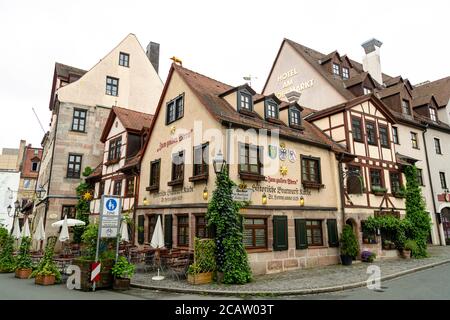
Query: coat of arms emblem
{"points": [[292, 155], [272, 151], [283, 154]]}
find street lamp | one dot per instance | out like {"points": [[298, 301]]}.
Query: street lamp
{"points": [[40, 192], [16, 211], [8, 208], [219, 163]]}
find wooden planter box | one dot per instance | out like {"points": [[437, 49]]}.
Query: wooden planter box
{"points": [[121, 284], [45, 280], [201, 278], [106, 277], [406, 254], [23, 273]]}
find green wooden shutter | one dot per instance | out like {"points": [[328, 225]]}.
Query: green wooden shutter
{"points": [[301, 240], [141, 220], [280, 233], [333, 240], [168, 231]]}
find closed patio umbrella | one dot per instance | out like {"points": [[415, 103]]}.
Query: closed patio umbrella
{"points": [[16, 232], [39, 234], [124, 231], [26, 229], [64, 235], [70, 222], [157, 243]]}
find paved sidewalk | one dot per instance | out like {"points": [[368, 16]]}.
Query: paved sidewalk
{"points": [[304, 281]]}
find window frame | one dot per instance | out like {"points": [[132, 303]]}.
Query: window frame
{"points": [[247, 94], [115, 188], [443, 180], [79, 118], [395, 137], [177, 169], [259, 164], [388, 140], [437, 146], [318, 172], [101, 188], [184, 226], [345, 73], [37, 166], [367, 90], [414, 139], [115, 149], [380, 171], [73, 173], [122, 61], [336, 68], [400, 182], [253, 227], [204, 226], [70, 207], [313, 227], [370, 122], [204, 165], [129, 181], [406, 106], [178, 109], [420, 176], [154, 180], [293, 110], [276, 110], [110, 92], [433, 114], [360, 127]]}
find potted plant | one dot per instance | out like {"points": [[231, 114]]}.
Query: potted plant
{"points": [[409, 247], [122, 271], [349, 246], [7, 260], [106, 258], [24, 264], [388, 245], [47, 273], [378, 191], [399, 193], [201, 271], [367, 256]]}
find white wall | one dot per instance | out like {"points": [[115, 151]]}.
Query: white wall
{"points": [[8, 179]]}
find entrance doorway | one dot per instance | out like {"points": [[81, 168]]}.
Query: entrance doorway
{"points": [[446, 224]]}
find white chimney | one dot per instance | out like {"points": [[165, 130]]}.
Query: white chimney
{"points": [[371, 61]]}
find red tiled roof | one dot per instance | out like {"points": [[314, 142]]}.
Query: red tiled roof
{"points": [[132, 120], [440, 89], [209, 90]]}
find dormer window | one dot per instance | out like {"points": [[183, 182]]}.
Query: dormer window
{"points": [[405, 107], [433, 115], [271, 110], [367, 90], [245, 101], [336, 69], [294, 117], [345, 73]]}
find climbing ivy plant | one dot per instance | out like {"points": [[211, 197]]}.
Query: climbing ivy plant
{"points": [[82, 207], [416, 212], [223, 215]]}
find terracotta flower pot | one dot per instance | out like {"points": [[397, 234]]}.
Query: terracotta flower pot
{"points": [[45, 280], [406, 254], [121, 284], [23, 273]]}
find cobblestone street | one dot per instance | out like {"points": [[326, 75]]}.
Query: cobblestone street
{"points": [[303, 280]]}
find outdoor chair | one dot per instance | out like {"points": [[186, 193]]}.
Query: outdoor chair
{"points": [[177, 267]]}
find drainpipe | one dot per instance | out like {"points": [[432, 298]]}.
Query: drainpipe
{"points": [[431, 184], [341, 187]]}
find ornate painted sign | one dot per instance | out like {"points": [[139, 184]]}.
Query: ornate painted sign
{"points": [[292, 155], [242, 194], [273, 151], [283, 154]]}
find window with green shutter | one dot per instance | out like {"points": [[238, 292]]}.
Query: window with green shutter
{"points": [[333, 240], [141, 219], [168, 231], [301, 240], [280, 233]]}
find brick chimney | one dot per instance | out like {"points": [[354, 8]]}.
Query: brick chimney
{"points": [[371, 61], [153, 54]]}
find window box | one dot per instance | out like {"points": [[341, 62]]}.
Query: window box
{"points": [[175, 182], [252, 176], [378, 191], [203, 177], [152, 188], [312, 185], [399, 194]]}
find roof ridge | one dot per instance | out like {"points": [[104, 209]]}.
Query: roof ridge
{"points": [[202, 75]]}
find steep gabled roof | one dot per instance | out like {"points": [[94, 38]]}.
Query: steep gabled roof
{"points": [[133, 121], [440, 89], [359, 78], [351, 103], [423, 100], [63, 70], [209, 92]]}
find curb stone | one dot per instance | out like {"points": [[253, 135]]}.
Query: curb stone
{"points": [[287, 292]]}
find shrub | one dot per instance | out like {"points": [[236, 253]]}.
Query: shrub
{"points": [[23, 260], [204, 256], [411, 245], [89, 239], [3, 235], [349, 243], [47, 267], [7, 260], [123, 269]]}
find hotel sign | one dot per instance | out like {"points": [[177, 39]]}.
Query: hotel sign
{"points": [[287, 83]]}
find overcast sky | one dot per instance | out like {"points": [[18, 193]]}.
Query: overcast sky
{"points": [[225, 40]]}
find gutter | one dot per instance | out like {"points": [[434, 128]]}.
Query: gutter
{"points": [[431, 184]]}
